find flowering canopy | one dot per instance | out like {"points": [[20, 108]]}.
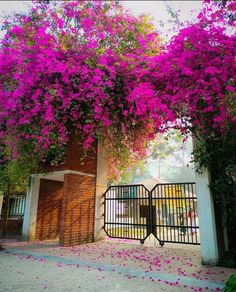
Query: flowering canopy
{"points": [[194, 78], [63, 68], [90, 68]]}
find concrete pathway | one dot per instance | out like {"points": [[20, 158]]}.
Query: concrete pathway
{"points": [[106, 266]]}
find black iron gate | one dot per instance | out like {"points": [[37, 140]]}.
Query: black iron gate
{"points": [[168, 211]]}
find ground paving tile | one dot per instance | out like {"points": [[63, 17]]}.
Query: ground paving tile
{"points": [[126, 266]]}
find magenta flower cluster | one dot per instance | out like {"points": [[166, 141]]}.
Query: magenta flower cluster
{"points": [[91, 69]]}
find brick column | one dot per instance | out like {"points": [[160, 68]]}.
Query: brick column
{"points": [[77, 219]]}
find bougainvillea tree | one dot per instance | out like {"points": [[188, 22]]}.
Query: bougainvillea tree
{"points": [[90, 68], [63, 70], [194, 77]]}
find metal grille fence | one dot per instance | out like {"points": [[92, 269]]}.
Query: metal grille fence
{"points": [[122, 211], [176, 213], [16, 208], [169, 212]]}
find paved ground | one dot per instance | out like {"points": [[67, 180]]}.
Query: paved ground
{"points": [[111, 266]]}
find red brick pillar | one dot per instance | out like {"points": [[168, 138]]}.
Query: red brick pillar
{"points": [[77, 220]]}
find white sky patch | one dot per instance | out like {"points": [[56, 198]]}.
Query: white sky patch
{"points": [[188, 10], [12, 6]]}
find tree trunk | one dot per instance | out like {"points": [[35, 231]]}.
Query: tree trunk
{"points": [[6, 213]]}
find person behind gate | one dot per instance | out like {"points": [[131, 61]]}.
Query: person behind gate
{"points": [[192, 221]]}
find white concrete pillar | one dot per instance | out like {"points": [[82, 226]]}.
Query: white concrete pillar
{"points": [[1, 202], [30, 215], [206, 214], [101, 186]]}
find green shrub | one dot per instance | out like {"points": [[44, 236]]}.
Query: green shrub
{"points": [[230, 285]]}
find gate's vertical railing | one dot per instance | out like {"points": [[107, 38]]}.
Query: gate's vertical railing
{"points": [[152, 216], [150, 213]]}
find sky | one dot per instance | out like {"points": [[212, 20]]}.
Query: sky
{"points": [[157, 9], [187, 10]]}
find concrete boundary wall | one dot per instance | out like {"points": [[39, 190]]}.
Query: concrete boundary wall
{"points": [[101, 187], [207, 226]]}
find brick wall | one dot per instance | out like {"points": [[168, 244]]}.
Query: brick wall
{"points": [[66, 210], [49, 209], [77, 225], [75, 158]]}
